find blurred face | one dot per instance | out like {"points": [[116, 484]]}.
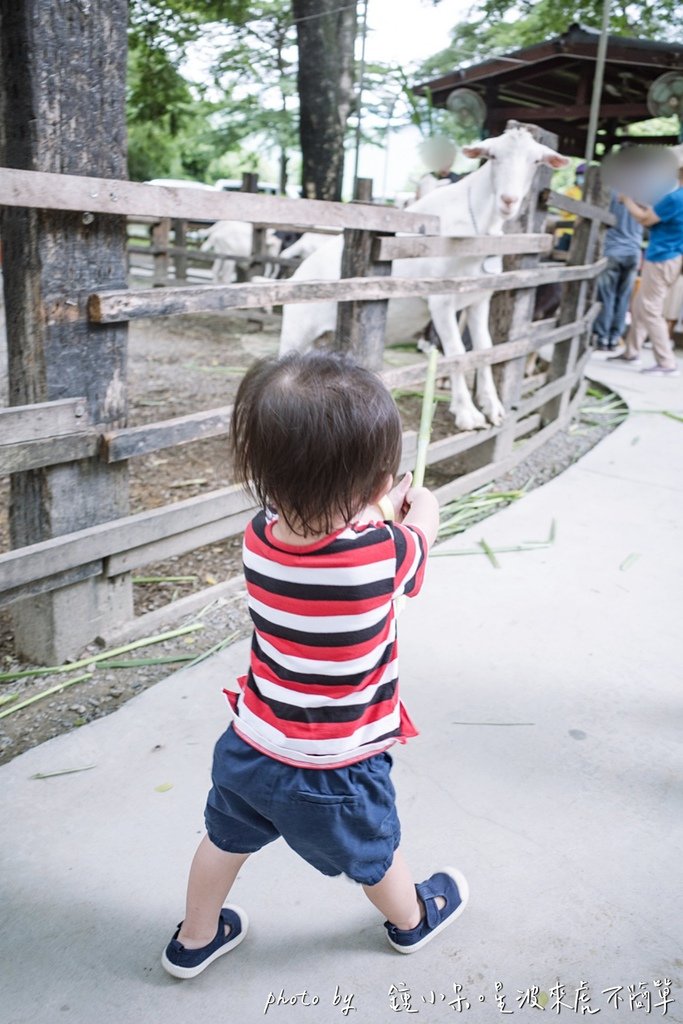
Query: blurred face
{"points": [[514, 158]]}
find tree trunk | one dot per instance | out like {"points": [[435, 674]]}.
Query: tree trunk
{"points": [[62, 108], [326, 34]]}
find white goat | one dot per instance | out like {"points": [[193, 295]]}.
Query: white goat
{"points": [[306, 245], [233, 238], [478, 204]]}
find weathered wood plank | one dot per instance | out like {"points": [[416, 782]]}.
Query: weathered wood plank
{"points": [[41, 190], [115, 306], [25, 455], [43, 420], [62, 96], [588, 210], [402, 376], [179, 543], [406, 247], [68, 551], [361, 324], [153, 437]]}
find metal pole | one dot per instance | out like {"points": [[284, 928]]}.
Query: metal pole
{"points": [[361, 77], [597, 83]]}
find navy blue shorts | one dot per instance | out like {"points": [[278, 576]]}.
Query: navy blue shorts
{"points": [[340, 820]]}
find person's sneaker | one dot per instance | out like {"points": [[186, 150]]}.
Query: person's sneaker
{"points": [[452, 887], [623, 358], [188, 963], [661, 371]]}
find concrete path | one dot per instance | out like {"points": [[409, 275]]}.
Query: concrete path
{"points": [[549, 769]]}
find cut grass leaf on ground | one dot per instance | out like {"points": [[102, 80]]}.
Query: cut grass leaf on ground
{"points": [[62, 771], [609, 409], [165, 579], [6, 677], [486, 549], [629, 561], [458, 515]]}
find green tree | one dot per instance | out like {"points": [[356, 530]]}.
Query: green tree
{"points": [[497, 26], [255, 73], [169, 118]]}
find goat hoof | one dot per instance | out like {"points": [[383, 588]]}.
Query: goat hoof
{"points": [[496, 416], [469, 419], [494, 411]]}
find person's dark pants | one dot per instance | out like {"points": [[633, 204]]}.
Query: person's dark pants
{"points": [[614, 288]]}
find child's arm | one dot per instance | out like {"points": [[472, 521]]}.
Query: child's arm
{"points": [[423, 512]]}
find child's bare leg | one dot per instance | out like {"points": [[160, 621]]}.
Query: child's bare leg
{"points": [[395, 895], [212, 875]]}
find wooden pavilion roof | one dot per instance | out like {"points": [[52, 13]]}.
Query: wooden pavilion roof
{"points": [[550, 84]]}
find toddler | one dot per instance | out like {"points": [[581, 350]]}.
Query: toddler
{"points": [[317, 440]]}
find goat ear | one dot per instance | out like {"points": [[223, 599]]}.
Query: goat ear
{"points": [[554, 160], [477, 152]]}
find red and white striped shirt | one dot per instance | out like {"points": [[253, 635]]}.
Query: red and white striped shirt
{"points": [[322, 687]]}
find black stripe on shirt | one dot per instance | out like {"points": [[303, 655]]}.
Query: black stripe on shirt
{"points": [[327, 713], [314, 678], [345, 638], [320, 591]]}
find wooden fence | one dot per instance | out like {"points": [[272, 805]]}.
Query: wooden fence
{"points": [[47, 434]]}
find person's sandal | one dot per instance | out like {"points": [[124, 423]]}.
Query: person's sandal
{"points": [[188, 963], [451, 886]]}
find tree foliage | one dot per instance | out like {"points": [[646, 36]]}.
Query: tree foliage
{"points": [[497, 26], [169, 117]]}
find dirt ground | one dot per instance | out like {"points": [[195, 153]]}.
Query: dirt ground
{"points": [[178, 366]]}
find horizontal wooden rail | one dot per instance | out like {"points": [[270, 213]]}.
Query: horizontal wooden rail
{"points": [[42, 420], [114, 306], [43, 190], [579, 208], [153, 437], [406, 247], [60, 554], [32, 436], [208, 255]]}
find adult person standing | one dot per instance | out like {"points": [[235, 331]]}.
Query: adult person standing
{"points": [[661, 267], [623, 246]]}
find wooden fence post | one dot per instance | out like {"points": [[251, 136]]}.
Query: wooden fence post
{"points": [[180, 242], [161, 233], [258, 233], [586, 247], [361, 325], [63, 96]]}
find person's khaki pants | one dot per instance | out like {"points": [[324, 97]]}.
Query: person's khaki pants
{"points": [[648, 311]]}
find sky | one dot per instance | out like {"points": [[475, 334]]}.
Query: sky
{"points": [[399, 31], [421, 30]]}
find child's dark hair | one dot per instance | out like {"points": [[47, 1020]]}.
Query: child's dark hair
{"points": [[314, 436]]}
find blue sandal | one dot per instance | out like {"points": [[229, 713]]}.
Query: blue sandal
{"points": [[188, 963], [452, 887]]}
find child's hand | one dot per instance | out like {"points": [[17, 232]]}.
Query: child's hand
{"points": [[423, 511], [397, 497]]}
